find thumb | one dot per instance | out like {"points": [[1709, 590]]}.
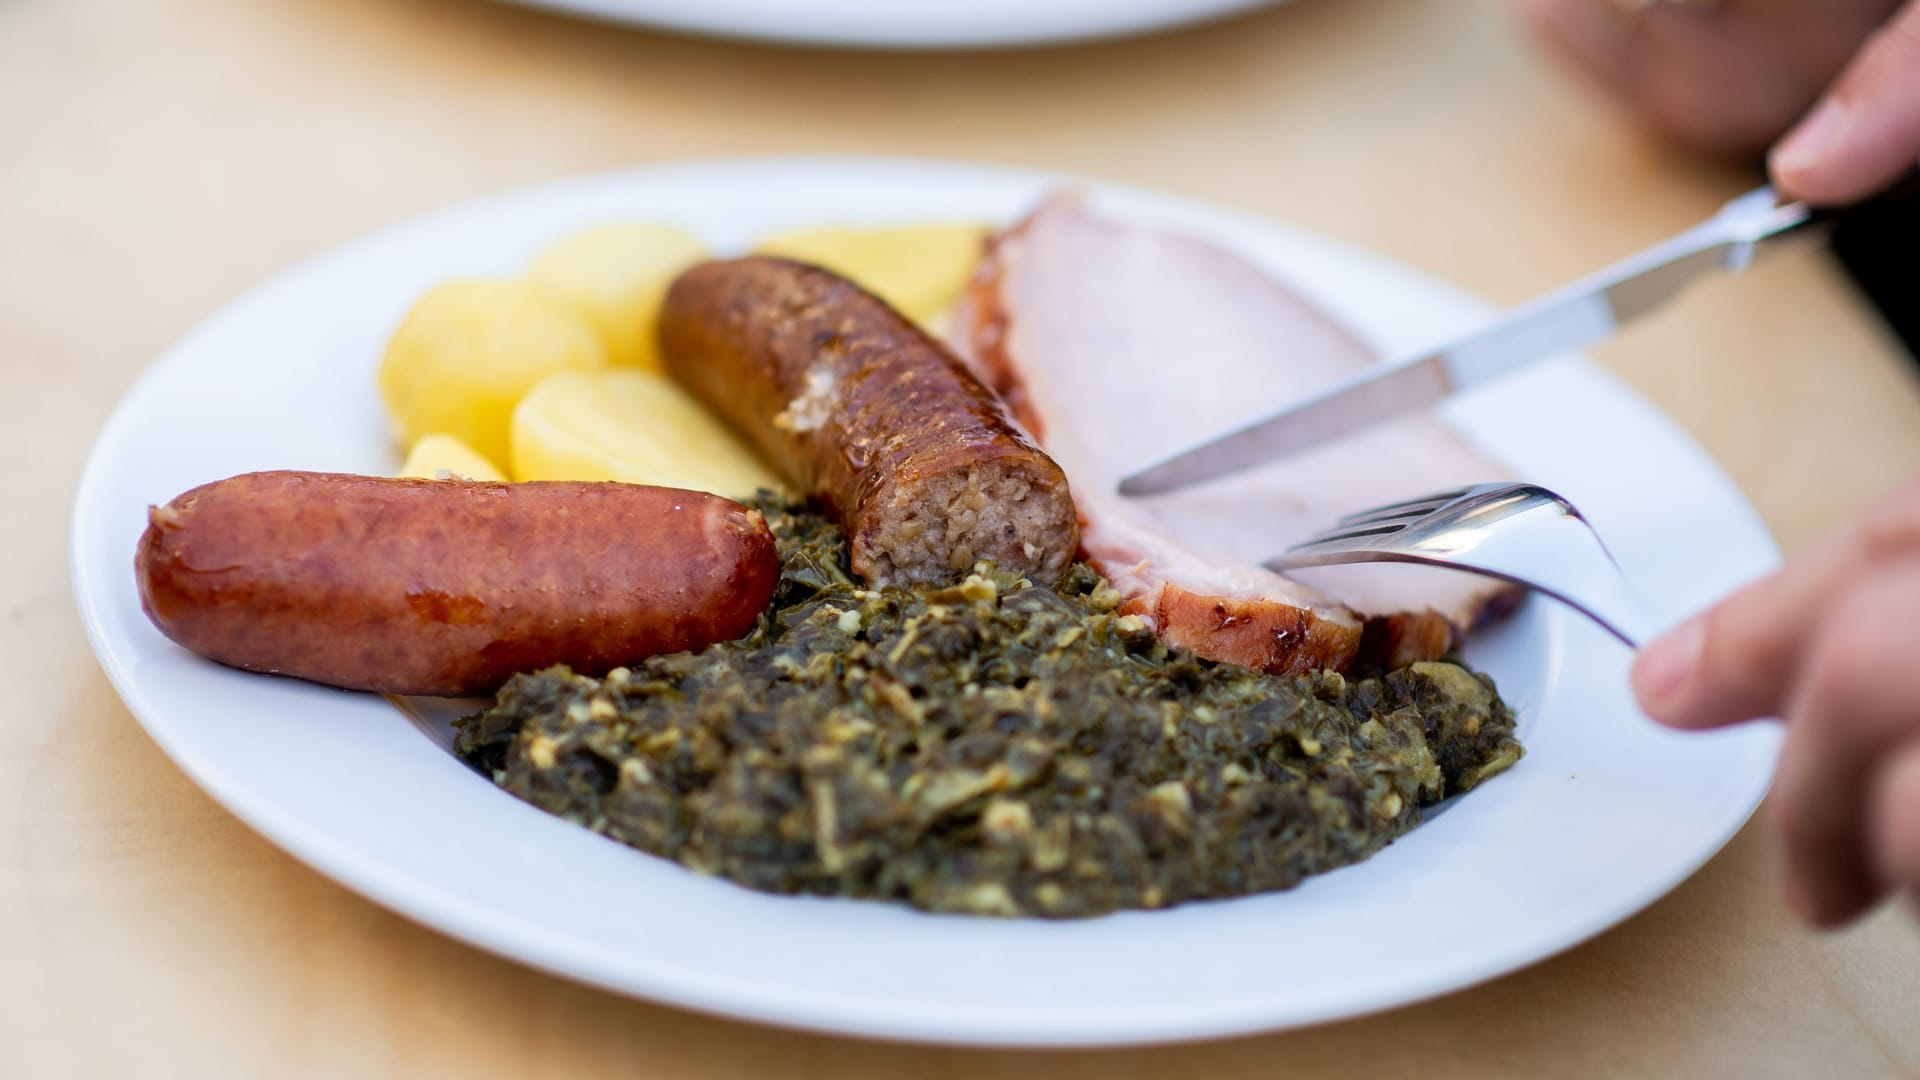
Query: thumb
{"points": [[1866, 131]]}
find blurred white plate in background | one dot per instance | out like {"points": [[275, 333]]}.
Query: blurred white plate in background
{"points": [[907, 24]]}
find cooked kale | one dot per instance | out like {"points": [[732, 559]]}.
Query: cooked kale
{"points": [[995, 748]]}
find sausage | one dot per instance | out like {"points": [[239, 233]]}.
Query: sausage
{"points": [[917, 459], [447, 587]]}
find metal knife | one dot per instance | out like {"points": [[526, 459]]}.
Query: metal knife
{"points": [[1578, 315]]}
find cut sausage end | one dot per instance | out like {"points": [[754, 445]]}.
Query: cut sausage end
{"points": [[1008, 512]]}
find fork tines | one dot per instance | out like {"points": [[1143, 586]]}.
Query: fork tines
{"points": [[1342, 534], [1407, 509]]}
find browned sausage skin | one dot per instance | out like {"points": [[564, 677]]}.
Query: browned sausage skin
{"points": [[916, 458], [447, 586]]}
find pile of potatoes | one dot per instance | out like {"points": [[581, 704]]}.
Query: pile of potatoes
{"points": [[555, 375]]}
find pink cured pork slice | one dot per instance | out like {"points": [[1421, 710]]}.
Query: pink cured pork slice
{"points": [[1115, 344]]}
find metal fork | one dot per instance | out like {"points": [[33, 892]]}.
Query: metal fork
{"points": [[1521, 533]]}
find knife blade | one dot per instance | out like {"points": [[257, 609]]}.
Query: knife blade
{"points": [[1581, 314]]}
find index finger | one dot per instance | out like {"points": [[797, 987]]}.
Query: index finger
{"points": [[1866, 130]]}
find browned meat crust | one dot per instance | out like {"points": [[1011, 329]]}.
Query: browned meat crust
{"points": [[1394, 641], [1273, 636]]}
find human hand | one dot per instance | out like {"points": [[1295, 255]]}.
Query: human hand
{"points": [[1831, 644], [1731, 76], [1865, 132]]}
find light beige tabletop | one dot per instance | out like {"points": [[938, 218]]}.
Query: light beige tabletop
{"points": [[157, 158]]}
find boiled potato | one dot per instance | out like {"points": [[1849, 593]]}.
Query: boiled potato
{"points": [[438, 454], [919, 269], [467, 351], [615, 276], [636, 426]]}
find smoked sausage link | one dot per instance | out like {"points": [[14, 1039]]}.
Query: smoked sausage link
{"points": [[447, 587], [915, 457]]}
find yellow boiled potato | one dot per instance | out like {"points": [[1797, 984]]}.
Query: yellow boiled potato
{"points": [[919, 269], [635, 426], [615, 276], [440, 453], [467, 351]]}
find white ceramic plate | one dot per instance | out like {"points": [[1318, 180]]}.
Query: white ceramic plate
{"points": [[1604, 814], [907, 24]]}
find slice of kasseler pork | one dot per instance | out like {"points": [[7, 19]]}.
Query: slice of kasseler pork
{"points": [[1115, 344]]}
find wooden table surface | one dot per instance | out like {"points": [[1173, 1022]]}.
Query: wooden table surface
{"points": [[156, 159]]}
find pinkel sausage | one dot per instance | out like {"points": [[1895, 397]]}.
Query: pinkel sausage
{"points": [[916, 458]]}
